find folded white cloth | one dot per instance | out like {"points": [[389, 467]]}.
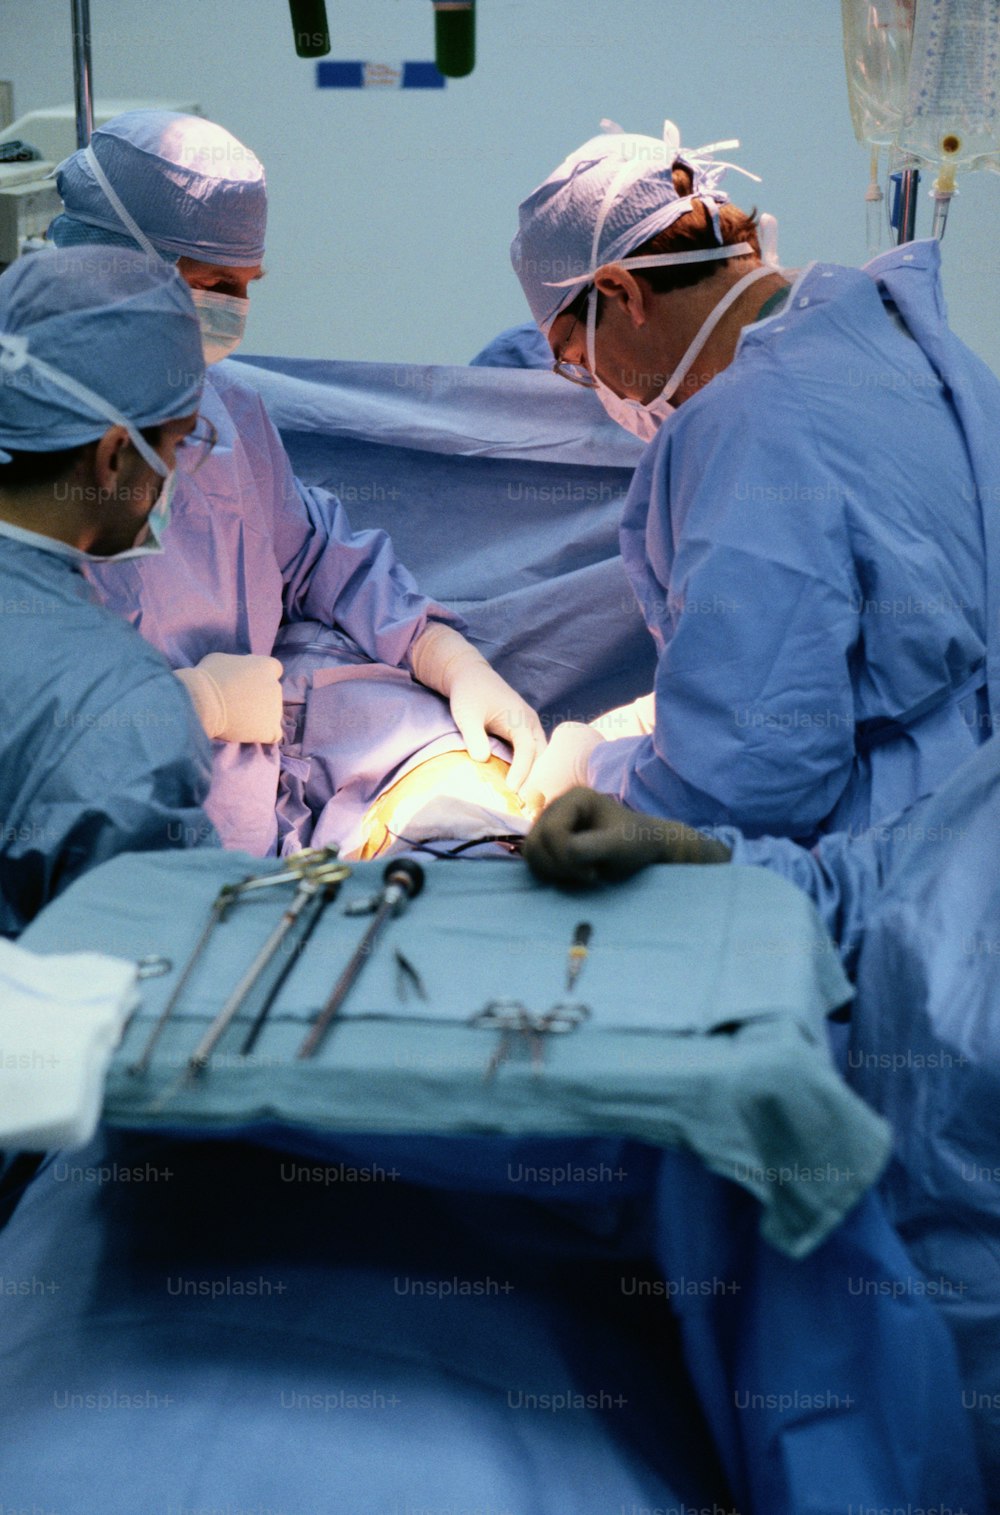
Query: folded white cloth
{"points": [[61, 1017]]}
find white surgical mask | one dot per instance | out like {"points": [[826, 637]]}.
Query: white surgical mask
{"points": [[151, 531], [643, 421], [223, 321]]}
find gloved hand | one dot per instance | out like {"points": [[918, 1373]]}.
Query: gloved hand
{"points": [[563, 764], [481, 701], [637, 719], [588, 838], [237, 697]]}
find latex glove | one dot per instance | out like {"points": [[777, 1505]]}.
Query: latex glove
{"points": [[237, 697], [588, 838], [563, 763], [481, 701], [637, 719]]}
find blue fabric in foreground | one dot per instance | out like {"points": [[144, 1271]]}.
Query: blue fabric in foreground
{"points": [[237, 1287], [925, 1051], [914, 903], [216, 1325]]}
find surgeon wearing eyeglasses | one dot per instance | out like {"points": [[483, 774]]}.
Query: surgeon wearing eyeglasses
{"points": [[805, 531]]}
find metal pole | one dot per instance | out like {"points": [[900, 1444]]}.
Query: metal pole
{"points": [[908, 186], [81, 71]]}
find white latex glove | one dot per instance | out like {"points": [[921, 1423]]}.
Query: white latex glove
{"points": [[637, 719], [481, 701], [237, 697], [562, 765]]}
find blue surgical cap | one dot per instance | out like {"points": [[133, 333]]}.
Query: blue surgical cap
{"points": [[617, 187], [113, 320], [192, 188]]}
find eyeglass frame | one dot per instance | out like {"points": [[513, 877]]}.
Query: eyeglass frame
{"points": [[575, 373], [207, 442]]}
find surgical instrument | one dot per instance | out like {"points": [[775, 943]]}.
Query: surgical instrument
{"points": [[153, 965], [227, 897], [407, 978], [512, 1018], [578, 953], [329, 889], [403, 881], [313, 881]]}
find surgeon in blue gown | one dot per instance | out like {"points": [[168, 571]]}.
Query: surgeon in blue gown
{"points": [[100, 750], [914, 904], [367, 657], [515, 347], [811, 533]]}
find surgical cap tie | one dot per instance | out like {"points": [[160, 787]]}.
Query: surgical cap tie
{"points": [[15, 354], [114, 200], [706, 171]]}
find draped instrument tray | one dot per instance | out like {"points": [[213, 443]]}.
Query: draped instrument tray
{"points": [[708, 989]]}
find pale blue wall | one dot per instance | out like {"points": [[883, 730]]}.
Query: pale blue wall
{"points": [[391, 213]]}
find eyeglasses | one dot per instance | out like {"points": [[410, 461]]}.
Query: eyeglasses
{"points": [[197, 444], [576, 373]]}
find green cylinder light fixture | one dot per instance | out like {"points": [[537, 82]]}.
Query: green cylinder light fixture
{"points": [[455, 37]]}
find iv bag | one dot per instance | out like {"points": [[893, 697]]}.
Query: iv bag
{"points": [[953, 102], [878, 36], [924, 77]]}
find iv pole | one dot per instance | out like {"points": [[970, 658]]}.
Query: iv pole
{"points": [[81, 71]]}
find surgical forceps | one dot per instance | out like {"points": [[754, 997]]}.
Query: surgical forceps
{"points": [[512, 1018], [298, 864], [313, 882]]}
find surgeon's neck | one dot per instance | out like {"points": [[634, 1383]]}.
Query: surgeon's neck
{"points": [[720, 348], [40, 511]]}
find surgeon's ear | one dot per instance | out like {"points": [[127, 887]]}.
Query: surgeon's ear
{"points": [[618, 283], [112, 458]]}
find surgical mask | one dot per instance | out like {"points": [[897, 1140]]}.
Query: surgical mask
{"points": [[223, 321], [151, 531], [644, 420]]}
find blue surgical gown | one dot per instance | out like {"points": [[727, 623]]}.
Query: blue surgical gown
{"points": [[250, 548], [808, 542], [915, 903], [100, 751]]}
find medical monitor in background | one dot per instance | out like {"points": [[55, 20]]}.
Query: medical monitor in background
{"points": [[28, 196]]}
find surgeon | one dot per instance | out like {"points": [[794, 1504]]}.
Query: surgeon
{"points": [[100, 750], [515, 347], [255, 550], [811, 531]]}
